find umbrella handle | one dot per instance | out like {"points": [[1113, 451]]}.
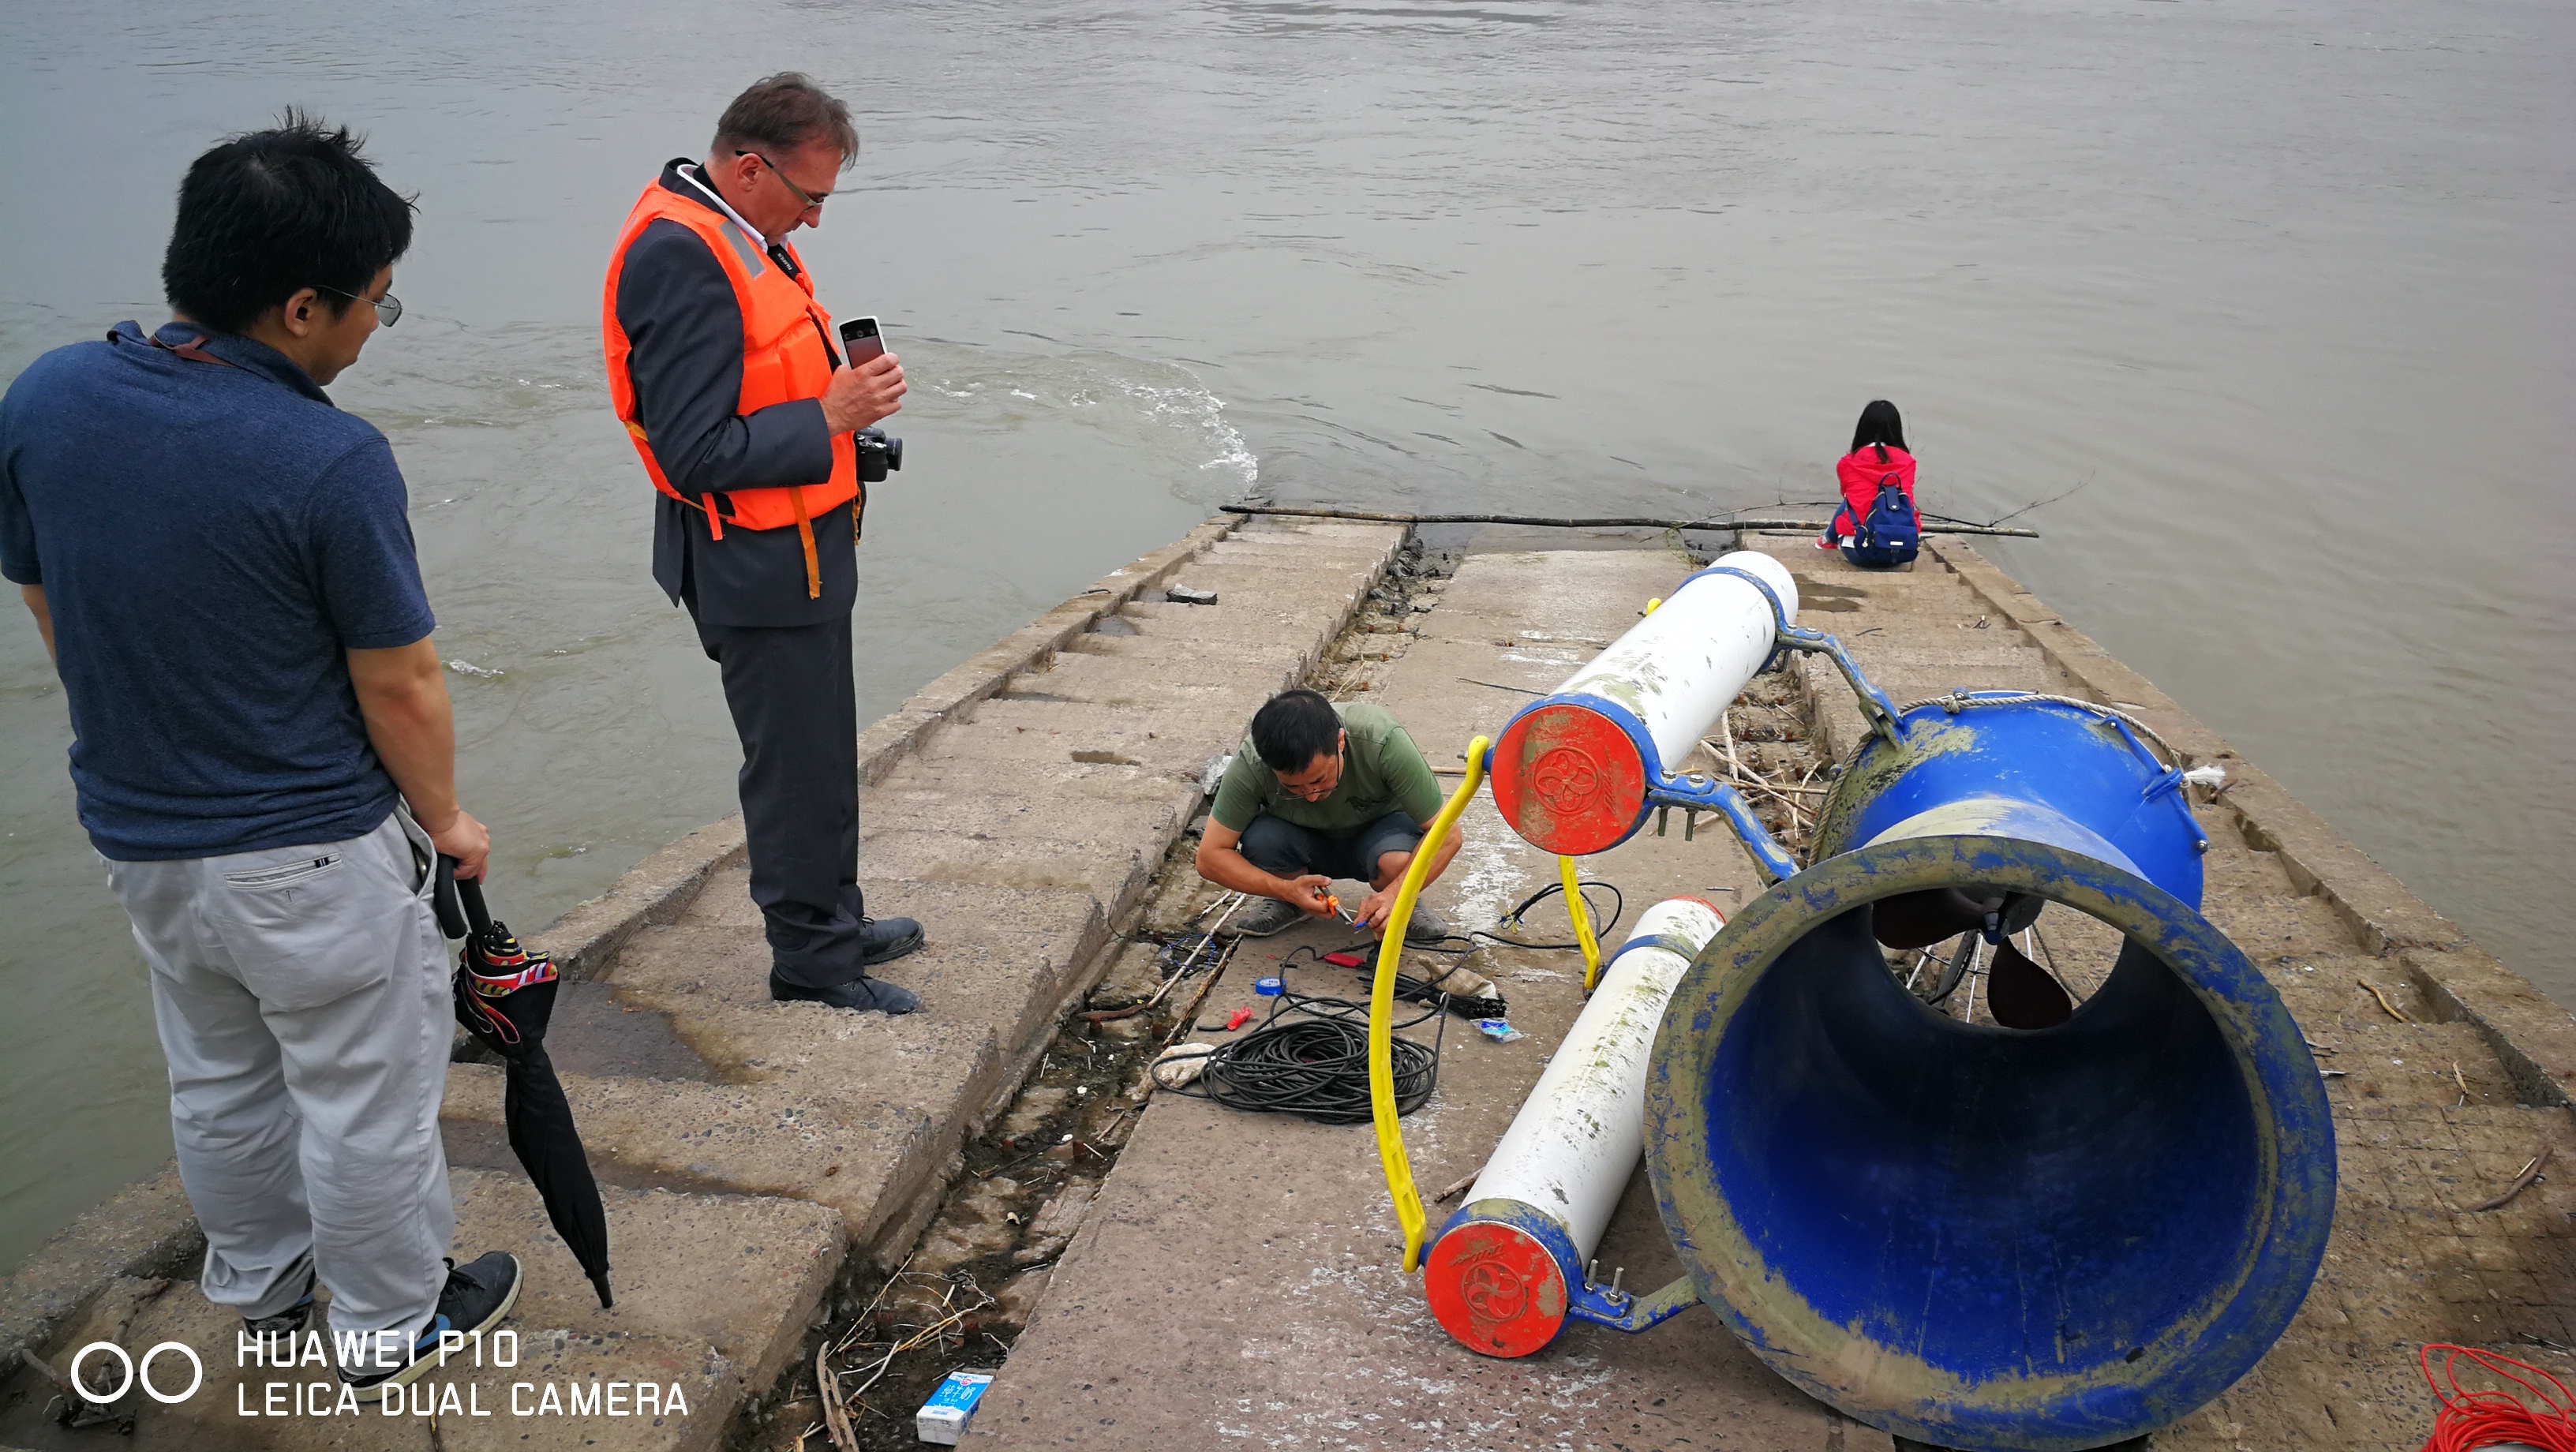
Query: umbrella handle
{"points": [[459, 903], [443, 899], [470, 892]]}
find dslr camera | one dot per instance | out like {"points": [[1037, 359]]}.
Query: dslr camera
{"points": [[877, 454]]}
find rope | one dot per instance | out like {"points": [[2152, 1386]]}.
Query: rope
{"points": [[1957, 701], [2486, 1418]]}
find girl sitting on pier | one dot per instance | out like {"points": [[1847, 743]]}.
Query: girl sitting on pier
{"points": [[1869, 535]]}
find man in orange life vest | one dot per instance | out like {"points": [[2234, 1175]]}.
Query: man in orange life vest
{"points": [[729, 378]]}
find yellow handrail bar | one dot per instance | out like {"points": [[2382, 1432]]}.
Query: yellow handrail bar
{"points": [[1381, 1052], [1582, 923]]}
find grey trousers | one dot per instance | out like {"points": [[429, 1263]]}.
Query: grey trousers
{"points": [[302, 997]]}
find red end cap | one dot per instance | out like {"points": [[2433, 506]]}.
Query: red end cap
{"points": [[1568, 779], [1495, 1288]]}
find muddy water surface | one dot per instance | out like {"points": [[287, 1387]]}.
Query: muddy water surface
{"points": [[2283, 291]]}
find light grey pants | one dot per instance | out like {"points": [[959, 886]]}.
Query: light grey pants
{"points": [[302, 997]]}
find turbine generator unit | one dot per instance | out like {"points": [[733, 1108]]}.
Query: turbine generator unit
{"points": [[2060, 1229]]}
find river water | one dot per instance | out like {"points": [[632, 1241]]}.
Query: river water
{"points": [[2284, 288]]}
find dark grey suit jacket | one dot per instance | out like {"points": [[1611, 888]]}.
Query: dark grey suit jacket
{"points": [[684, 331]]}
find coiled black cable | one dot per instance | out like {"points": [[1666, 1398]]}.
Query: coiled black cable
{"points": [[1316, 1065]]}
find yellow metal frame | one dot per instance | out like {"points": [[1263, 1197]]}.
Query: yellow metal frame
{"points": [[1390, 953], [1381, 1050], [1582, 923]]}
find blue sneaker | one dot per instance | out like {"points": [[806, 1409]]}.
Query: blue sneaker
{"points": [[477, 1295]]}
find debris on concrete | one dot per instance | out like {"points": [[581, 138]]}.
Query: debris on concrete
{"points": [[942, 1420], [1181, 1064]]}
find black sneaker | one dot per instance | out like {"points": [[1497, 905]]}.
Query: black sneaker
{"points": [[882, 940], [867, 995], [289, 1323], [477, 1295]]}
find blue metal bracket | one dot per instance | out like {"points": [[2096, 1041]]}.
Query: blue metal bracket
{"points": [[1616, 1309], [1701, 794], [1874, 703]]}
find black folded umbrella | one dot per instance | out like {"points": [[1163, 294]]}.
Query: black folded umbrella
{"points": [[504, 995]]}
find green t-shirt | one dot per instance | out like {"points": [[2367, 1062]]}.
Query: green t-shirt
{"points": [[1382, 772]]}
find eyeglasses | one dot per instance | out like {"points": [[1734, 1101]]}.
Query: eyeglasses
{"points": [[810, 200], [388, 308]]}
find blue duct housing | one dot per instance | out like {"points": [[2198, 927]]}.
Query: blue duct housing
{"points": [[1975, 1236]]}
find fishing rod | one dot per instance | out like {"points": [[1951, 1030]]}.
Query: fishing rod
{"points": [[1605, 522]]}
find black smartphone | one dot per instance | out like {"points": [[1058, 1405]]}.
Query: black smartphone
{"points": [[860, 342]]}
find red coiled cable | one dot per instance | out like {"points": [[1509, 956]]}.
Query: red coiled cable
{"points": [[2483, 1418]]}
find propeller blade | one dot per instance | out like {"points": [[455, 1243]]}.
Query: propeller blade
{"points": [[2021, 995], [1920, 919]]}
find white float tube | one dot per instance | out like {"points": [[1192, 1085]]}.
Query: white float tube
{"points": [[1502, 1271], [1568, 772]]}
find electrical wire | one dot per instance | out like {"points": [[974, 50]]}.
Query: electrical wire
{"points": [[1603, 923], [2492, 1416], [1410, 989], [1316, 1065]]}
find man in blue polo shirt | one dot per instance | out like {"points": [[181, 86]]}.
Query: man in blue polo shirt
{"points": [[221, 565]]}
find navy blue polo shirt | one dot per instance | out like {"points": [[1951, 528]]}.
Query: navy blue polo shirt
{"points": [[211, 537]]}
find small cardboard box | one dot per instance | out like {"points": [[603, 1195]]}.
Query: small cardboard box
{"points": [[942, 1419]]}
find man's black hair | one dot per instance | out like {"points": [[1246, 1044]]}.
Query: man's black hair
{"points": [[1293, 728], [1879, 424], [266, 214]]}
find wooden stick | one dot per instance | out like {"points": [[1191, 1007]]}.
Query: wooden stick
{"points": [[1460, 1188], [1743, 776], [2521, 1182], [836, 1419], [2393, 1010], [45, 1369]]}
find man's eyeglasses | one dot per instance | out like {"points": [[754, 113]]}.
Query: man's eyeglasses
{"points": [[388, 308], [811, 201]]}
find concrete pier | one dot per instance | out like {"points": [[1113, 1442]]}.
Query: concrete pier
{"points": [[1234, 1277], [1237, 1278], [751, 1150]]}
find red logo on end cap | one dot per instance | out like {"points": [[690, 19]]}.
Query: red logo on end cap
{"points": [[1566, 780], [1492, 1291]]}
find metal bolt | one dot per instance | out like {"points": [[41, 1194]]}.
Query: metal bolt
{"points": [[1591, 1272], [1615, 1277]]}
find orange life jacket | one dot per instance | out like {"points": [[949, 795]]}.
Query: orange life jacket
{"points": [[784, 358]]}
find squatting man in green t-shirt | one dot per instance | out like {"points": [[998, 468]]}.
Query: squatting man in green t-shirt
{"points": [[1316, 793]]}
